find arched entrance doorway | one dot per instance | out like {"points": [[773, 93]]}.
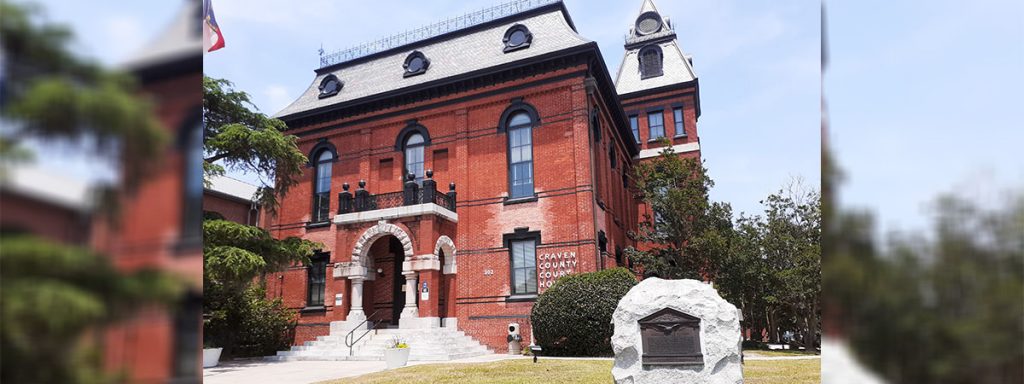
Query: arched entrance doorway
{"points": [[384, 292]]}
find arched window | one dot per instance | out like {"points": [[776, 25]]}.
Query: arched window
{"points": [[414, 147], [650, 62], [520, 154], [192, 205], [322, 186]]}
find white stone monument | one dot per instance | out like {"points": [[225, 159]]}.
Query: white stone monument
{"points": [[676, 331]]}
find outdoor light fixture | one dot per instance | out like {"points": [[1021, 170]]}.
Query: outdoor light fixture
{"points": [[380, 272]]}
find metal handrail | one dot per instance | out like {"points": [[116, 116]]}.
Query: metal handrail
{"points": [[351, 334]]}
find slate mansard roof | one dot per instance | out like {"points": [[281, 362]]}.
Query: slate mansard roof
{"points": [[676, 66], [451, 54]]}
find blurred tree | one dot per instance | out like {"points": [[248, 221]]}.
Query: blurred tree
{"points": [[55, 297], [248, 141], [234, 256], [48, 93], [690, 234], [52, 295]]}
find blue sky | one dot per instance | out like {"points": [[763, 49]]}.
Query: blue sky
{"points": [[926, 100], [758, 64]]}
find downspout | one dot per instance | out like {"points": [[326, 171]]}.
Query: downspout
{"points": [[590, 83]]}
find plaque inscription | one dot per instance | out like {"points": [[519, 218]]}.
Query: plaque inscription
{"points": [[670, 337]]}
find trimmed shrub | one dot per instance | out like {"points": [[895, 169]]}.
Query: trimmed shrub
{"points": [[573, 317]]}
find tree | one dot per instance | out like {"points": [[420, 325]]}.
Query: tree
{"points": [[48, 93], [239, 315], [54, 296], [245, 140], [689, 233], [51, 295]]}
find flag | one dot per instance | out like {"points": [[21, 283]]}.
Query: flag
{"points": [[213, 39]]}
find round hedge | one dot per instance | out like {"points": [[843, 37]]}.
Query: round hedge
{"points": [[573, 317]]}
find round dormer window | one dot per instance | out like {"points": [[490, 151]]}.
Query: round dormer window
{"points": [[517, 37], [416, 63], [648, 23], [330, 86]]}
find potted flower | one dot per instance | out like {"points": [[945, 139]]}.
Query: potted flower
{"points": [[396, 354]]}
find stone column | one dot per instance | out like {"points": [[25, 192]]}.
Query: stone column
{"points": [[355, 313], [411, 290]]}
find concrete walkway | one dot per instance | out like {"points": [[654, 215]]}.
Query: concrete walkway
{"points": [[262, 371]]}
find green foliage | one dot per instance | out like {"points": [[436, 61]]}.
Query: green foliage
{"points": [[50, 94], [241, 319], [954, 300], [51, 295], [249, 141], [249, 324], [773, 272], [573, 317], [690, 233]]}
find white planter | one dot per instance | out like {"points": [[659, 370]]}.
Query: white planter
{"points": [[396, 357], [211, 356]]}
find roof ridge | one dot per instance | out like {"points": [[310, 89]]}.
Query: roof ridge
{"points": [[446, 26]]}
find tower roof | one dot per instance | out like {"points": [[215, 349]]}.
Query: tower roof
{"points": [[655, 32], [182, 39]]}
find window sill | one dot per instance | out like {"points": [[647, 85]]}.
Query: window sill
{"points": [[520, 200], [313, 309], [679, 137], [321, 224], [521, 298], [656, 139]]}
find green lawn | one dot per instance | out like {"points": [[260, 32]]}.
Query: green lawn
{"points": [[572, 371]]}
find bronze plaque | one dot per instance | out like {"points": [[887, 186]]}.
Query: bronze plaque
{"points": [[670, 337]]}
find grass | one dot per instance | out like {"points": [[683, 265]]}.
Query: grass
{"points": [[571, 371]]}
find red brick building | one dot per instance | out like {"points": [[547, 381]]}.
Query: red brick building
{"points": [[458, 170], [160, 219]]}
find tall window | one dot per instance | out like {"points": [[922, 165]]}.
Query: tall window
{"points": [[414, 147], [677, 115], [524, 266], [192, 215], [634, 123], [520, 150], [650, 62], [316, 277], [656, 125], [322, 193]]}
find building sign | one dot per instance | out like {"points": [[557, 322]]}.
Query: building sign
{"points": [[551, 266]]}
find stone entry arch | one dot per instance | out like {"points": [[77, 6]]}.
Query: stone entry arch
{"points": [[362, 248], [361, 268], [446, 245]]}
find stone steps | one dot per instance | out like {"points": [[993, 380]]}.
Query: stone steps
{"points": [[429, 344]]}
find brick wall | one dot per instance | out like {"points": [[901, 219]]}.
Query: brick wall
{"points": [[570, 171]]}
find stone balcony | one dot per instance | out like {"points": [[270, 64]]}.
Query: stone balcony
{"points": [[413, 200]]}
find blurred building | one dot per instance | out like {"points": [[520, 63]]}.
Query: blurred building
{"points": [[159, 222], [457, 170], [32, 206]]}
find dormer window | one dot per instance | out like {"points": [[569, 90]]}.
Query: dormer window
{"points": [[650, 62], [648, 23], [517, 37], [416, 64], [330, 86]]}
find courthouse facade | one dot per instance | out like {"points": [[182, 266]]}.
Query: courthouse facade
{"points": [[457, 170]]}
